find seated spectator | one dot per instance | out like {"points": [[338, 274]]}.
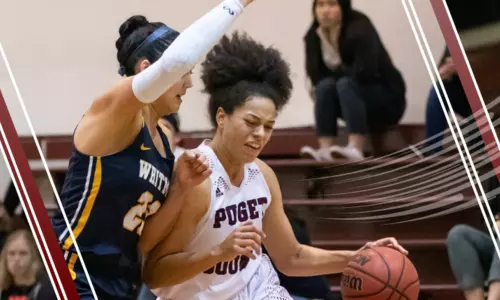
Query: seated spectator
{"points": [[304, 288], [435, 119], [353, 79], [20, 267], [473, 257]]}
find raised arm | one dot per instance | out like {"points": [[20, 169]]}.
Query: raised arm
{"points": [[117, 110], [292, 258], [191, 45]]}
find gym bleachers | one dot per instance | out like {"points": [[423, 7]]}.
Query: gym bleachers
{"points": [[346, 204]]}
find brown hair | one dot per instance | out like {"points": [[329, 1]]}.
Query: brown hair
{"points": [[6, 279]]}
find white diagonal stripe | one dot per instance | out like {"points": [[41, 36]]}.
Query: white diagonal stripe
{"points": [[42, 157], [62, 237], [36, 232], [464, 160]]}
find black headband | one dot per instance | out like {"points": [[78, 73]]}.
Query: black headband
{"points": [[158, 33]]}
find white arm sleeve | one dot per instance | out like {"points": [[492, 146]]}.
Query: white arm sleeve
{"points": [[185, 52]]}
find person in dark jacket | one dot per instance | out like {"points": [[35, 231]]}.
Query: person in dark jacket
{"points": [[352, 77]]}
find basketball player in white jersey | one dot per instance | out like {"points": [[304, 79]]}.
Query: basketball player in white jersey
{"points": [[214, 250], [121, 170]]}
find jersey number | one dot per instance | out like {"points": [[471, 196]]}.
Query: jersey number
{"points": [[136, 216]]}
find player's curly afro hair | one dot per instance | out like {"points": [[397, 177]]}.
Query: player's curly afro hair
{"points": [[239, 68]]}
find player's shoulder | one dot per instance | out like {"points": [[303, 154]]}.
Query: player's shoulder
{"points": [[264, 168], [200, 190], [267, 171], [198, 198]]}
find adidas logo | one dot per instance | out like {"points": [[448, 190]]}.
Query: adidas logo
{"points": [[218, 193]]}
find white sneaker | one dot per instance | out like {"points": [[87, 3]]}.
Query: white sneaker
{"points": [[320, 155], [349, 152], [309, 152], [325, 155]]}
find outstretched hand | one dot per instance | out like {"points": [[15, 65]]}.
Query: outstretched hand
{"points": [[192, 168], [385, 242]]}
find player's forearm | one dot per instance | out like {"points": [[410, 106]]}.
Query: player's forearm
{"points": [[310, 261], [177, 268], [159, 225], [187, 49]]}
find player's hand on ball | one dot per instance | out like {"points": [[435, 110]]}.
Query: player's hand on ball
{"points": [[191, 168], [385, 242], [242, 241]]}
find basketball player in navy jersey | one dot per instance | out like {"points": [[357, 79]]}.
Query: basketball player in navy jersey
{"points": [[120, 171], [214, 250]]}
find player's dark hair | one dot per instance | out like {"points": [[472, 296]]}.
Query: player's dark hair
{"points": [[238, 68], [141, 39]]}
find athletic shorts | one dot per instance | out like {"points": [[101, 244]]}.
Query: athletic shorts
{"points": [[264, 284]]}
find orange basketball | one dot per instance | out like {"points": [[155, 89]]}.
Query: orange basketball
{"points": [[380, 273]]}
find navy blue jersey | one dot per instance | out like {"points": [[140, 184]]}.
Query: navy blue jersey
{"points": [[107, 200]]}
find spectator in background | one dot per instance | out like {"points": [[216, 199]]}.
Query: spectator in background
{"points": [[45, 292], [353, 78], [473, 257], [435, 119], [20, 267], [12, 204], [5, 224], [170, 125], [13, 207]]}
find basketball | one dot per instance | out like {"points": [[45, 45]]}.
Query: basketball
{"points": [[380, 273]]}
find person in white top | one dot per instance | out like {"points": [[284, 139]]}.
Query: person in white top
{"points": [[214, 250]]}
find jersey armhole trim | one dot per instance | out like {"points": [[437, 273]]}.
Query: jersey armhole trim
{"points": [[263, 178], [110, 154]]}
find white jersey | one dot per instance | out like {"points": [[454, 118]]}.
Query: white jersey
{"points": [[229, 207]]}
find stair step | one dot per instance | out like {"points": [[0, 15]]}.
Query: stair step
{"points": [[378, 178], [365, 218], [434, 228]]}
